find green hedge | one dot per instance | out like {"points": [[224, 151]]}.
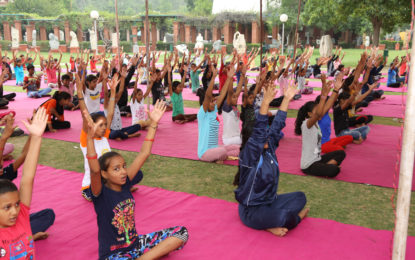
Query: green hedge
{"points": [[390, 45]]}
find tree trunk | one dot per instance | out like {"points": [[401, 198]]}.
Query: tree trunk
{"points": [[376, 31]]}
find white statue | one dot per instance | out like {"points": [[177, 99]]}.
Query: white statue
{"points": [[217, 45], [367, 41], [93, 39], [61, 35], [199, 42], [239, 43], [182, 49], [326, 46], [136, 49], [74, 40], [53, 41], [15, 38], [114, 40], [34, 38]]}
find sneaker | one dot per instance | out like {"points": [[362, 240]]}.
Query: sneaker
{"points": [[297, 96], [86, 193]]}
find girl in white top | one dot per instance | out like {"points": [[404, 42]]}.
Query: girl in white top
{"points": [[138, 107], [231, 123], [92, 93], [102, 134]]}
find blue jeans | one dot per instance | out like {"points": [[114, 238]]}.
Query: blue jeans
{"points": [[42, 220], [282, 212], [39, 93], [125, 132], [357, 133]]}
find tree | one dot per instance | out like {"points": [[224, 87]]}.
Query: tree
{"points": [[383, 14], [354, 14], [199, 7], [39, 7]]}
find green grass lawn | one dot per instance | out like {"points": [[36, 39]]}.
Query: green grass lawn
{"points": [[358, 204]]}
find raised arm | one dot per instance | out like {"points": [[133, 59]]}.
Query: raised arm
{"points": [[208, 94], [320, 107], [36, 129], [154, 116], [91, 155], [111, 106], [225, 89], [334, 95]]}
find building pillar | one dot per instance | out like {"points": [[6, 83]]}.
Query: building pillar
{"points": [[67, 32], [206, 35], [193, 34], [18, 26], [6, 29], [255, 32], [215, 34], [29, 30], [56, 32], [79, 33], [128, 35], [42, 33], [176, 27], [227, 32], [182, 33], [275, 30], [134, 31], [187, 34], [153, 35]]}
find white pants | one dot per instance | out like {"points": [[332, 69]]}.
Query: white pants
{"points": [[236, 140]]}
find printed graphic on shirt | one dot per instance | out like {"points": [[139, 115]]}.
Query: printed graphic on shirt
{"points": [[124, 222], [19, 250], [95, 96]]}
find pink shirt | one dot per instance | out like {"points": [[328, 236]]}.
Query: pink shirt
{"points": [[283, 82], [69, 90], [17, 241], [51, 73]]}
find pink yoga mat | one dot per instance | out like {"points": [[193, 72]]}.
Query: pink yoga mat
{"points": [[375, 158], [211, 236]]}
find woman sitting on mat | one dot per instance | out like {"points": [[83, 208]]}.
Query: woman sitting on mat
{"points": [[55, 108], [117, 131], [258, 175], [334, 144], [307, 126], [341, 119], [394, 81], [114, 204], [175, 92], [15, 226], [208, 149]]}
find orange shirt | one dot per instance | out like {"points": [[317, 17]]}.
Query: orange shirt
{"points": [[49, 105]]}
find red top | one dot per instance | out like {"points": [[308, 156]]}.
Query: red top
{"points": [[402, 69], [93, 62], [17, 241], [223, 76], [72, 62]]}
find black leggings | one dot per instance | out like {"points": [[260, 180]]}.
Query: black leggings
{"points": [[276, 102], [59, 125], [358, 120], [322, 169], [394, 85]]}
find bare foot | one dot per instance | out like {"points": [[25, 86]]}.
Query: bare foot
{"points": [[303, 213], [358, 141], [219, 162], [133, 189], [180, 122], [40, 236], [232, 158], [279, 231]]}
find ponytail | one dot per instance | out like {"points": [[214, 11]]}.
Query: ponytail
{"points": [[302, 115]]}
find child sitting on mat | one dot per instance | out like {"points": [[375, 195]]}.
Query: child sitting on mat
{"points": [[138, 107], [18, 69], [307, 126], [101, 135], [230, 114], [15, 221], [55, 108], [39, 221], [114, 204], [258, 174], [31, 84], [208, 149], [175, 92]]}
